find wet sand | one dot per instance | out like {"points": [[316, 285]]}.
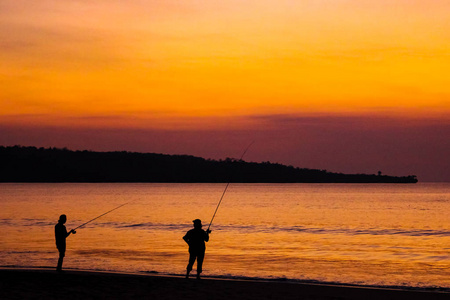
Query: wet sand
{"points": [[48, 284]]}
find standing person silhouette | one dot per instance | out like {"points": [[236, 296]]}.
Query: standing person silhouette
{"points": [[196, 239], [60, 236]]}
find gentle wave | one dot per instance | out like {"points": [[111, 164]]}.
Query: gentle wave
{"points": [[243, 228], [372, 231]]}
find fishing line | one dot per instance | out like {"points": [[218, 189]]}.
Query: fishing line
{"points": [[226, 187], [101, 215]]}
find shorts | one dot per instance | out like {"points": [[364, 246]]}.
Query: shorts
{"points": [[62, 250]]}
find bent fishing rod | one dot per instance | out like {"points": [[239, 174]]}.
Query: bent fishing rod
{"points": [[100, 216], [226, 187]]}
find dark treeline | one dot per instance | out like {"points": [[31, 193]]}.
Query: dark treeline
{"points": [[31, 164]]}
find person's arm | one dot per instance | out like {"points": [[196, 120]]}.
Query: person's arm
{"points": [[186, 239], [207, 235], [68, 233]]}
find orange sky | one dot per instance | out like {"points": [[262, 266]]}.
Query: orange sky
{"points": [[179, 65], [197, 58]]}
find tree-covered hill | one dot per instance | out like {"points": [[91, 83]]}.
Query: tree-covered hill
{"points": [[31, 164]]}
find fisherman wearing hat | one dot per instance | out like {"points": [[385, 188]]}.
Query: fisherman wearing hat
{"points": [[60, 236], [196, 239]]}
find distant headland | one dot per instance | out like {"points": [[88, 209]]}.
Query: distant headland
{"points": [[31, 164]]}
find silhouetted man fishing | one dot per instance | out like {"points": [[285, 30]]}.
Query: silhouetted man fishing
{"points": [[60, 236], [196, 239]]}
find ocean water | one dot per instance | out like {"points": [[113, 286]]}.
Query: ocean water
{"points": [[368, 234]]}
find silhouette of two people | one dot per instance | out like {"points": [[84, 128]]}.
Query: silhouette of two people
{"points": [[196, 239], [60, 236]]}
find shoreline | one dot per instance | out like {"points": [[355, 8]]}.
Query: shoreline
{"points": [[19, 283], [235, 278], [30, 164]]}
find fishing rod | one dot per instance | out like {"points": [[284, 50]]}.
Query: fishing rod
{"points": [[226, 187], [101, 215]]}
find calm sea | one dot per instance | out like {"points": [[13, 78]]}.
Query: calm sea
{"points": [[370, 234]]}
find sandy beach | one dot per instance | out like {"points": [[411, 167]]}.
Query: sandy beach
{"points": [[48, 284]]}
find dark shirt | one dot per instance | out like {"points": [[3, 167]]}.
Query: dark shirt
{"points": [[196, 239], [60, 235]]}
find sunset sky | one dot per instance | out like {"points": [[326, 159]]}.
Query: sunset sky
{"points": [[353, 86]]}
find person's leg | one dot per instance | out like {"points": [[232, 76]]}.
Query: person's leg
{"points": [[192, 257], [60, 260], [200, 258]]}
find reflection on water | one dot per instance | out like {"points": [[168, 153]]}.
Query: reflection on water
{"points": [[367, 234]]}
